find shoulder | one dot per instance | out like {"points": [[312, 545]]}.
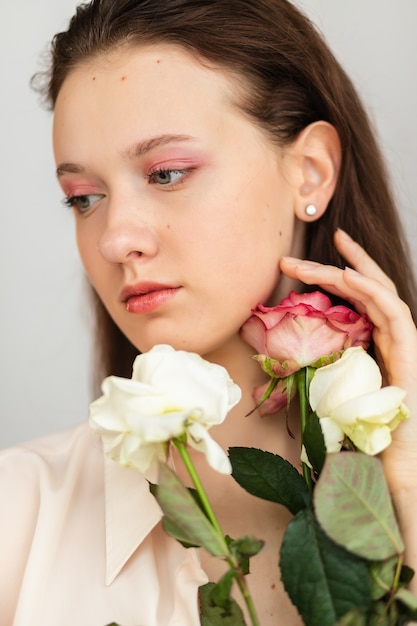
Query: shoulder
{"points": [[43, 479], [50, 447], [44, 483], [60, 443], [29, 468]]}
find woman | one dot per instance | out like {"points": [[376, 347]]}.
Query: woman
{"points": [[205, 147]]}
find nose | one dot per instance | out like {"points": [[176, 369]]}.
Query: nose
{"points": [[127, 235]]}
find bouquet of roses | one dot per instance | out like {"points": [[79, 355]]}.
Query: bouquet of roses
{"points": [[341, 559]]}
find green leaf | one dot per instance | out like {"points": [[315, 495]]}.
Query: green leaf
{"points": [[170, 527], [407, 575], [243, 549], [212, 615], [314, 443], [380, 616], [354, 507], [185, 517], [178, 533], [386, 613], [247, 545], [382, 576], [323, 580], [270, 477], [220, 593], [153, 488], [353, 618], [409, 600]]}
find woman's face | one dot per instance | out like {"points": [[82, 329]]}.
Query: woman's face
{"points": [[182, 205]]}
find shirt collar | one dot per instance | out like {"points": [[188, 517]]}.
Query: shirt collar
{"points": [[131, 513]]}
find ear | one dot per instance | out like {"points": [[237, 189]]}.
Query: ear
{"points": [[317, 157]]}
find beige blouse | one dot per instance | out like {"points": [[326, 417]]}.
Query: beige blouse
{"points": [[81, 543]]}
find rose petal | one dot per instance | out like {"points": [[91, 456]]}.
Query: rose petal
{"points": [[186, 380], [305, 327], [355, 373], [369, 438], [172, 393], [315, 299], [332, 433], [200, 439], [379, 407], [276, 401]]}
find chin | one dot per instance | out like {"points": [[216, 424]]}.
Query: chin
{"points": [[203, 342], [146, 343]]}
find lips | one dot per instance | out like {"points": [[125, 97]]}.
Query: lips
{"points": [[147, 297]]}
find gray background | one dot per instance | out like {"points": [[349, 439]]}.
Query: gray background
{"points": [[45, 325]]}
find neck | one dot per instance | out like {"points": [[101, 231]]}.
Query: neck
{"points": [[239, 428], [235, 356]]}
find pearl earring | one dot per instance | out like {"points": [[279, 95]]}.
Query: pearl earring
{"points": [[311, 210]]}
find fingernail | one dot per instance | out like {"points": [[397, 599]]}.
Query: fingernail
{"points": [[304, 265], [291, 260], [308, 265], [342, 233]]}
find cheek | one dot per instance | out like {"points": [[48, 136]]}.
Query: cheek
{"points": [[267, 237], [260, 255], [89, 255]]}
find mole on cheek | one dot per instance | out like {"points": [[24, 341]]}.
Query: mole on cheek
{"points": [[123, 78]]}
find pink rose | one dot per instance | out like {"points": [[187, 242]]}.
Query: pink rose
{"points": [[302, 329], [277, 400]]}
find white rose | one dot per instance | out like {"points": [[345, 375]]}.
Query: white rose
{"points": [[348, 399], [171, 393]]}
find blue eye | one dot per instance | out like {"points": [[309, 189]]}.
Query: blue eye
{"points": [[167, 177], [82, 203]]}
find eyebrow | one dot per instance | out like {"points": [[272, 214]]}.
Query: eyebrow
{"points": [[143, 147], [69, 168], [136, 150]]}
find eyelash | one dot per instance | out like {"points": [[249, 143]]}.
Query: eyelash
{"points": [[71, 201], [163, 170]]}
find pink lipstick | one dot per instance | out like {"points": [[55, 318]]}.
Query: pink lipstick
{"points": [[147, 297]]}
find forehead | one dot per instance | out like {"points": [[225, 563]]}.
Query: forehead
{"points": [[152, 82], [147, 90], [152, 70]]}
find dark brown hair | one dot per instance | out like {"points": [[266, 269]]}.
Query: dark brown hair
{"points": [[291, 80]]}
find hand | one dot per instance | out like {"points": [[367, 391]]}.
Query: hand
{"points": [[371, 292]]}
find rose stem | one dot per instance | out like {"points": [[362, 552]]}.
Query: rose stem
{"points": [[232, 562], [303, 397]]}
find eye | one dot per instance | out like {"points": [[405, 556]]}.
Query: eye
{"points": [[167, 178], [82, 203]]}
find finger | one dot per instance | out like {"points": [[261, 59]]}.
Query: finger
{"points": [[394, 331], [356, 256], [327, 277], [390, 315], [367, 295]]}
